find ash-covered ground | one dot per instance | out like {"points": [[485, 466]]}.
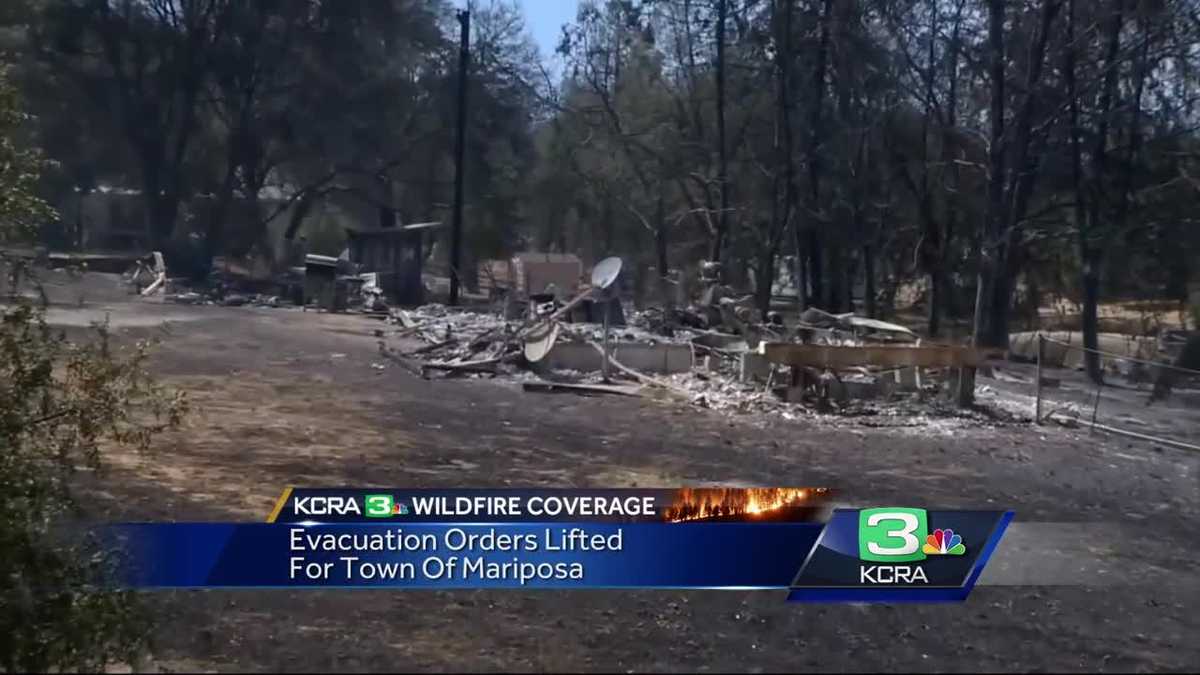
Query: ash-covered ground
{"points": [[285, 397]]}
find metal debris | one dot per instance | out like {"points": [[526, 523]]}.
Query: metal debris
{"points": [[581, 388], [476, 343]]}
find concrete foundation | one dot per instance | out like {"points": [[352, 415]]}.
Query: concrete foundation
{"points": [[1023, 346], [861, 390], [907, 379], [661, 359], [754, 367], [723, 341], [844, 391]]}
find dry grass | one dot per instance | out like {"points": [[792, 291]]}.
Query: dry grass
{"points": [[1135, 317]]}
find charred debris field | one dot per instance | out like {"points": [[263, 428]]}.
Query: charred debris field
{"points": [[940, 254], [284, 397]]}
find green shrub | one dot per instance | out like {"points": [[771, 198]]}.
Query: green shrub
{"points": [[61, 404]]}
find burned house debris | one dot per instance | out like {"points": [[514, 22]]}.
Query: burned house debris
{"points": [[395, 256], [378, 268], [719, 352], [320, 281], [532, 273], [545, 323]]}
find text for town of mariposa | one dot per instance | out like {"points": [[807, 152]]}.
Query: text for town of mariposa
{"points": [[458, 555]]}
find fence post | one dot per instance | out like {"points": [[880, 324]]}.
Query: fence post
{"points": [[1096, 405], [1037, 405]]}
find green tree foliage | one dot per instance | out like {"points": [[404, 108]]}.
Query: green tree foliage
{"points": [[204, 105], [62, 403], [866, 127], [857, 153], [22, 211]]}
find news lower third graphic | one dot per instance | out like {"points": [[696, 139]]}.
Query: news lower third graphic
{"points": [[784, 539], [893, 555]]}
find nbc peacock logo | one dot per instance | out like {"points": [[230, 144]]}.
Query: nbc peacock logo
{"points": [[944, 542], [895, 535]]}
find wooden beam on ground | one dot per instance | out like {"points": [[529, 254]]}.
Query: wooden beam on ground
{"points": [[838, 358], [585, 389], [411, 365], [158, 283], [1073, 422], [544, 325], [483, 366], [644, 379], [433, 346]]}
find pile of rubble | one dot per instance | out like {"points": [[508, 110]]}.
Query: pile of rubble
{"points": [[238, 288], [719, 391], [475, 342], [229, 300], [713, 360], [456, 341]]}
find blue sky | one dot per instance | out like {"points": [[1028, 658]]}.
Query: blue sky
{"points": [[545, 19]]}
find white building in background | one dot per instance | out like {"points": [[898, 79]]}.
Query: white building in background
{"points": [[114, 218]]}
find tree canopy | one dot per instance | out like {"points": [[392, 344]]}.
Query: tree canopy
{"points": [[986, 152]]}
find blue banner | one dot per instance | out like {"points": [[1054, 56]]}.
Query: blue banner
{"points": [[541, 505], [755, 538], [491, 555], [898, 554]]}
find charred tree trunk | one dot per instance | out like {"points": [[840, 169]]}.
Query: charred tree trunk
{"points": [[1089, 239], [252, 220], [764, 278], [299, 212], [785, 112], [661, 259], [607, 230], [932, 239], [812, 245], [387, 216], [1019, 185], [162, 211], [722, 160], [950, 175], [162, 199], [214, 239], [460, 144], [836, 263], [785, 172], [1134, 146], [1088, 282], [841, 214], [859, 196], [1008, 195], [868, 256], [986, 331]]}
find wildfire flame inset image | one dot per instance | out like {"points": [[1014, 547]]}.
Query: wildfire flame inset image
{"points": [[739, 503]]}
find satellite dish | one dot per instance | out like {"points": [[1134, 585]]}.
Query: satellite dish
{"points": [[540, 344], [605, 273]]}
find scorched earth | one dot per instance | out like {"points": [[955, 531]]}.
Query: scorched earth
{"points": [[290, 398]]}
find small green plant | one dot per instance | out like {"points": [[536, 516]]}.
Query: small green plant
{"points": [[62, 404]]}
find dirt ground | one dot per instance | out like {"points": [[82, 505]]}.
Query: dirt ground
{"points": [[291, 398]]}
